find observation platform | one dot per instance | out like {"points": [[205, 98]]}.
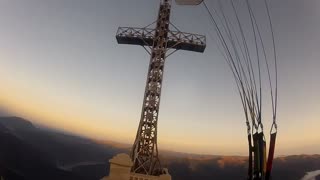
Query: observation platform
{"points": [[176, 39]]}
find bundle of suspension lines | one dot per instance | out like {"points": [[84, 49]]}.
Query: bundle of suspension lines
{"points": [[240, 41]]}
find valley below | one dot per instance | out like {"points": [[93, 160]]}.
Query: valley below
{"points": [[29, 152]]}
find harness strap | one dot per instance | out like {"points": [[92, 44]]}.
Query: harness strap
{"points": [[271, 154], [264, 157], [261, 154], [250, 157], [256, 154]]}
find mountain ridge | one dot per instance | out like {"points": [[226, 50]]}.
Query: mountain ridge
{"points": [[74, 156]]}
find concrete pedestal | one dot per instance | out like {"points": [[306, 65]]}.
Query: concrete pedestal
{"points": [[120, 167]]}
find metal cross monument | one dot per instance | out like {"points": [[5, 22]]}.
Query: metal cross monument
{"points": [[145, 150]]}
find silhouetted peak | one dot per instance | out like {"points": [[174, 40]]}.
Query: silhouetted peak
{"points": [[15, 123]]}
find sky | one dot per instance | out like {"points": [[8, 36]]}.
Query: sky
{"points": [[60, 66]]}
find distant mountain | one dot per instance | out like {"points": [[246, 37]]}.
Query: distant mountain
{"points": [[285, 168], [63, 149], [35, 153], [15, 124], [22, 161], [28, 152]]}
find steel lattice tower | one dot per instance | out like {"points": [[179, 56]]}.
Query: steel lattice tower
{"points": [[145, 150]]}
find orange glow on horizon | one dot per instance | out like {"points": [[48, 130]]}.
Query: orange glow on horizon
{"points": [[61, 117], [43, 110]]}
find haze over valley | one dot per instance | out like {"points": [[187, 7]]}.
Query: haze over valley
{"points": [[30, 152]]}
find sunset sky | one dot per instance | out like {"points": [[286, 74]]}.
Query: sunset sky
{"points": [[60, 66]]}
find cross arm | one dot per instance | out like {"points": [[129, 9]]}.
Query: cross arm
{"points": [[176, 40]]}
